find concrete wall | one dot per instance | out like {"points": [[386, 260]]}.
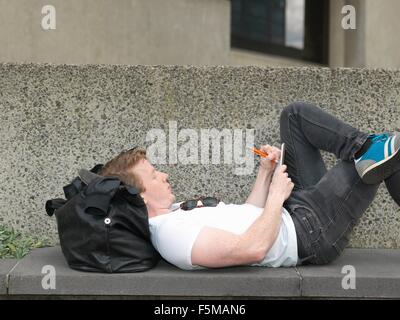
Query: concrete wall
{"points": [[347, 48], [151, 32], [336, 34], [178, 32], [117, 32], [382, 34], [56, 119], [374, 43], [356, 40]]}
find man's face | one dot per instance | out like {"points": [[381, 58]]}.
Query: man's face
{"points": [[158, 192]]}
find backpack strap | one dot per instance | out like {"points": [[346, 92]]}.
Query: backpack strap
{"points": [[87, 176], [78, 183], [54, 204], [99, 192], [73, 188]]}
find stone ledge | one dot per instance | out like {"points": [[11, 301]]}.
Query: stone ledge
{"points": [[377, 276], [6, 266], [164, 280]]}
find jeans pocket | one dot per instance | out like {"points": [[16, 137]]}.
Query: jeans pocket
{"points": [[311, 226]]}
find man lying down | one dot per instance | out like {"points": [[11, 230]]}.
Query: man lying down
{"points": [[298, 213]]}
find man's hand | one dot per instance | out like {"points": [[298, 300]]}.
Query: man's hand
{"points": [[274, 154], [281, 184], [259, 192]]}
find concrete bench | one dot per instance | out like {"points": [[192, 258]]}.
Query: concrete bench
{"points": [[377, 276]]}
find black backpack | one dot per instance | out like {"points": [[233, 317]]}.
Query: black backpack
{"points": [[103, 225]]}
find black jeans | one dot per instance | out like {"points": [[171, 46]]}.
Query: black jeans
{"points": [[324, 205]]}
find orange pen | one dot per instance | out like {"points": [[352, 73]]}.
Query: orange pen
{"points": [[260, 153]]}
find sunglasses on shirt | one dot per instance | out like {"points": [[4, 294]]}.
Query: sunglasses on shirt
{"points": [[206, 202]]}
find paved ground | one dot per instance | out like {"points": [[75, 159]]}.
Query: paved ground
{"points": [[358, 273]]}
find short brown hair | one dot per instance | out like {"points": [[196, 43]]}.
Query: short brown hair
{"points": [[121, 164]]}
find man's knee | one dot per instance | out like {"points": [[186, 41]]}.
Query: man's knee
{"points": [[291, 109], [294, 108]]}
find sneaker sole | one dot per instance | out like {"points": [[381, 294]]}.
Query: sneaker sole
{"points": [[382, 170]]}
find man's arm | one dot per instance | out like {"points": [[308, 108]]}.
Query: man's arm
{"points": [[259, 192], [217, 248]]}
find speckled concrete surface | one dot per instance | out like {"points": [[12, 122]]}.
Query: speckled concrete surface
{"points": [[56, 119]]}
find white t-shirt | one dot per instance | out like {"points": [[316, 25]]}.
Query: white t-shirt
{"points": [[173, 234]]}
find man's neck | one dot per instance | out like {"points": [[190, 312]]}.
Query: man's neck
{"points": [[157, 212]]}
